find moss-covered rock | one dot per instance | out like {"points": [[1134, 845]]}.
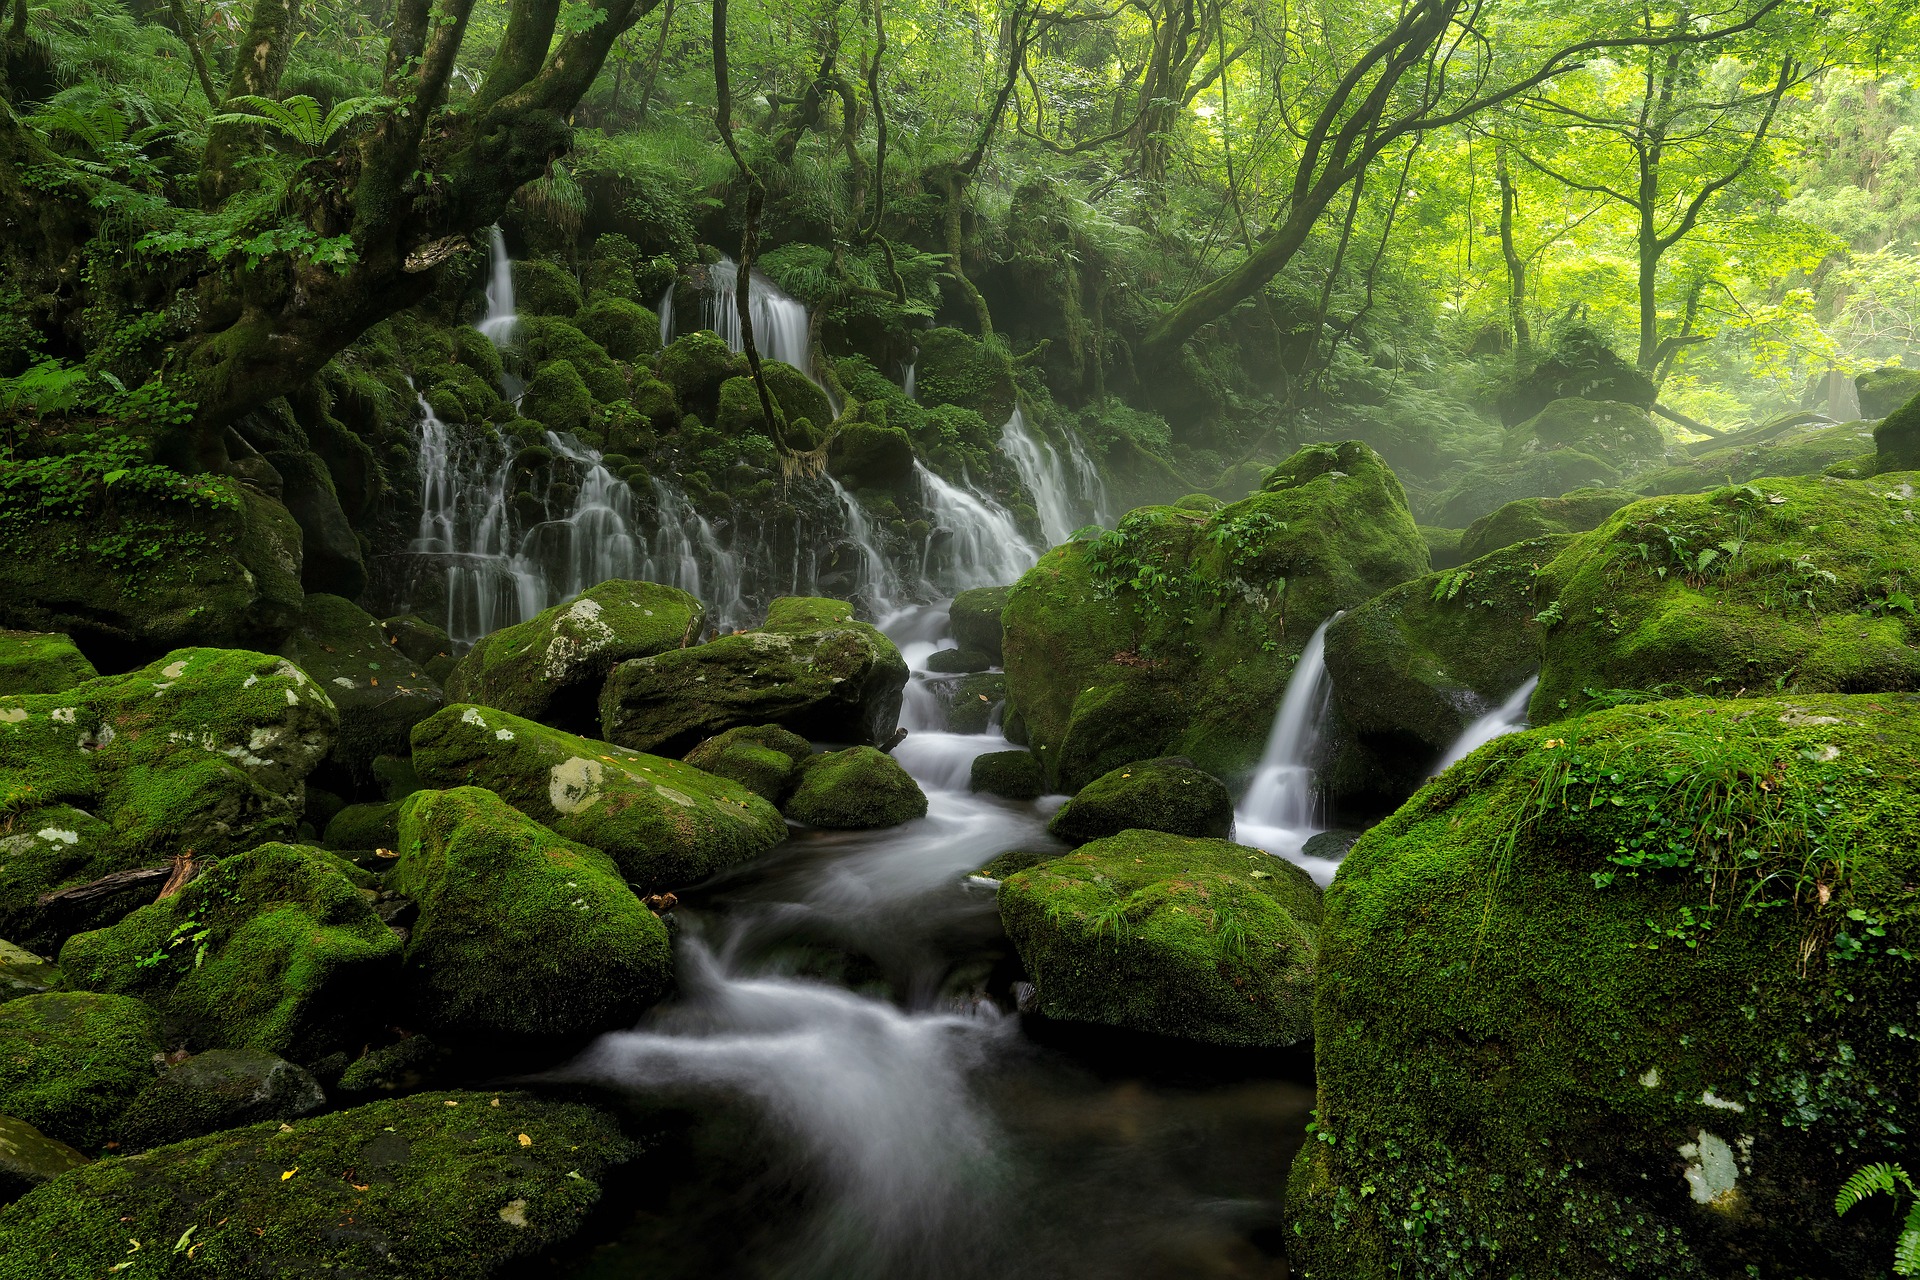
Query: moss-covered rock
{"points": [[866, 456], [22, 973], [1896, 441], [694, 365], [1199, 939], [29, 1157], [426, 645], [1804, 444], [41, 662], [760, 758], [142, 576], [550, 667], [543, 288], [364, 826], [796, 393], [71, 1061], [664, 823], [1797, 583], [201, 753], [1622, 434], [1610, 999], [407, 1065], [810, 668], [1581, 366], [970, 702], [548, 340], [1011, 775], [558, 398], [1149, 795], [1193, 662], [218, 1089], [625, 329], [1575, 512], [1482, 490], [1886, 389], [379, 691], [273, 949], [974, 616], [958, 662], [959, 369], [738, 412], [520, 933], [449, 1185], [1414, 666], [1443, 545], [854, 790]]}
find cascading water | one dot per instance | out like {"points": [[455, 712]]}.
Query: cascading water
{"points": [[465, 530], [875, 584], [974, 543], [1279, 810], [906, 377], [1509, 717], [1040, 470], [1093, 489], [501, 320]]}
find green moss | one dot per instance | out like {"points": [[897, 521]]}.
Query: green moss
{"points": [[1012, 775], [273, 949], [665, 823], [810, 668], [1199, 939], [438, 1184], [854, 790], [203, 753], [738, 411], [971, 700], [358, 827], [1795, 583], [625, 330], [760, 758], [694, 365], [1176, 633], [872, 457], [543, 288], [1485, 489], [1884, 390], [1802, 448], [1566, 963], [1619, 433], [1147, 795], [1575, 512], [41, 662], [654, 401], [975, 618], [558, 398], [22, 973], [476, 351], [378, 690], [958, 662], [796, 393], [551, 666], [70, 1062], [958, 369], [521, 933]]}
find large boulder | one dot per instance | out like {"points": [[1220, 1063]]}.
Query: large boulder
{"points": [[664, 823], [191, 561], [1176, 633], [520, 933], [1781, 583], [1414, 666], [810, 668], [760, 758], [1150, 795], [71, 1062], [975, 618], [1199, 939], [1575, 512], [202, 753], [1797, 445], [1581, 366], [1612, 999], [1011, 775], [378, 690], [215, 1090], [273, 949], [1886, 389], [854, 790], [41, 662], [1896, 441], [1622, 434], [865, 456], [550, 667], [450, 1185], [23, 973], [29, 1157], [1484, 489]]}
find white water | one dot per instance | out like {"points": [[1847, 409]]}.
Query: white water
{"points": [[1280, 809], [974, 542], [1046, 479], [1509, 717], [876, 586], [906, 378], [501, 320]]}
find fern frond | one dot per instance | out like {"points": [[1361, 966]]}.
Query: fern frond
{"points": [[1906, 1251], [1871, 1180]]}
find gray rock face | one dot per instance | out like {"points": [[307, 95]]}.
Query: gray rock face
{"points": [[219, 1089], [29, 1157]]}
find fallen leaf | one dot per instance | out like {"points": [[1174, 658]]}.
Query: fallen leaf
{"points": [[525, 1141], [289, 1173]]}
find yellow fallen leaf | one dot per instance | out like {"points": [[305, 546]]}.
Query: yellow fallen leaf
{"points": [[525, 1141], [289, 1173]]}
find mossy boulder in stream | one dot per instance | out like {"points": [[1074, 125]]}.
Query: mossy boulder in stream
{"points": [[550, 667], [810, 668], [1200, 939], [218, 1089], [854, 790], [1612, 998], [866, 456], [664, 823], [273, 949], [975, 618], [201, 753], [1800, 583], [1011, 775], [71, 1062], [1175, 634], [521, 933], [450, 1185], [41, 662], [760, 758], [1575, 512], [1150, 795], [378, 690]]}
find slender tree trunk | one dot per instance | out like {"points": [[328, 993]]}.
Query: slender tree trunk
{"points": [[653, 61], [750, 233], [1516, 263], [191, 39]]}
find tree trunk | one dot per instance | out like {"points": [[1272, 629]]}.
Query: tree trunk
{"points": [[1516, 264]]}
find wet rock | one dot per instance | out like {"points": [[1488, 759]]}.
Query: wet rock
{"points": [[41, 662], [1011, 775], [854, 790], [1199, 939], [379, 691], [1575, 512], [550, 667], [404, 1066], [29, 1157], [958, 661], [423, 643], [71, 1061], [1150, 795], [1483, 489], [275, 949], [975, 618], [520, 933], [364, 826], [23, 973], [809, 668], [450, 1185], [760, 758], [218, 1089], [664, 823]]}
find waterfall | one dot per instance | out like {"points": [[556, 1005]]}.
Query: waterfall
{"points": [[596, 540], [464, 528], [666, 316], [974, 543], [501, 320], [686, 552], [906, 376], [1040, 470], [1093, 489], [1278, 811], [1509, 717], [779, 322], [875, 584]]}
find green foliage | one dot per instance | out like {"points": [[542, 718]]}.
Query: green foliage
{"points": [[302, 120], [1887, 1179]]}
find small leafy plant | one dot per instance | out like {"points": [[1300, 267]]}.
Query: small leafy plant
{"points": [[1887, 1179]]}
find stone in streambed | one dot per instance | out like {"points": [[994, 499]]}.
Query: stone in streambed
{"points": [[1168, 795], [1011, 775], [760, 758], [23, 973], [974, 616], [379, 691], [218, 1089], [854, 790], [1199, 939], [71, 1061], [29, 1157], [664, 823], [958, 662]]}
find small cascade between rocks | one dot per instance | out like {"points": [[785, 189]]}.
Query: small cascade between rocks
{"points": [[974, 543], [501, 320], [1509, 717], [1280, 809], [876, 586], [906, 377], [1062, 491]]}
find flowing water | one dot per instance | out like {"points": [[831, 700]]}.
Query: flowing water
{"points": [[1281, 810], [1509, 717], [501, 321], [780, 327], [974, 542], [1066, 494]]}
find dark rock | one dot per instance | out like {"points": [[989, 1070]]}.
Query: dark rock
{"points": [[218, 1089]]}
